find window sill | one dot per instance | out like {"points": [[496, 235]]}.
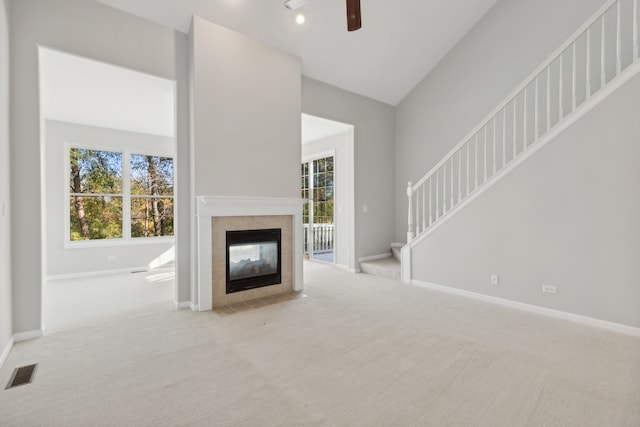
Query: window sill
{"points": [[80, 244]]}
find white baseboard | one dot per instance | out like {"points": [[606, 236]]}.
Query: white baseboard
{"points": [[183, 304], [29, 335], [194, 307], [375, 257], [6, 351], [346, 268], [95, 273], [584, 320]]}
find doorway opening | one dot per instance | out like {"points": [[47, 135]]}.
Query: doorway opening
{"points": [[108, 147], [327, 186]]}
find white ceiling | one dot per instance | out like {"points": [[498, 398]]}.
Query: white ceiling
{"points": [[79, 90], [316, 128], [399, 43]]}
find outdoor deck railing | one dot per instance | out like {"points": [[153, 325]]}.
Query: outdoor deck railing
{"points": [[322, 235]]}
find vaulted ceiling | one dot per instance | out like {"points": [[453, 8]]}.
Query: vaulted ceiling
{"points": [[399, 43]]}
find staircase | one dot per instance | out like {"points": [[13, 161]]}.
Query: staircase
{"points": [[597, 60], [388, 267]]}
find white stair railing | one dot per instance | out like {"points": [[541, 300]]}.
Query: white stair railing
{"points": [[583, 67]]}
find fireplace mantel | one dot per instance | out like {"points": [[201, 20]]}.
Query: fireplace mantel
{"points": [[213, 206]]}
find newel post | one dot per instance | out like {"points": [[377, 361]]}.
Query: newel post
{"points": [[410, 234]]}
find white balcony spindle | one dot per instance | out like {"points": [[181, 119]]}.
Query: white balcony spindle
{"points": [[574, 78], [459, 175], [444, 188], [325, 238], [515, 127], [410, 234], [536, 125], [424, 205], [560, 88], [524, 123], [451, 184], [504, 137], [430, 202], [588, 71], [417, 213], [437, 194], [603, 56], [484, 169], [635, 30], [476, 160], [618, 39], [451, 179], [494, 146], [548, 98], [468, 170]]}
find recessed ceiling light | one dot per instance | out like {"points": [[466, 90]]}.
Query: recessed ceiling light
{"points": [[300, 19]]}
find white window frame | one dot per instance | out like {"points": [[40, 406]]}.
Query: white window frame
{"points": [[126, 238]]}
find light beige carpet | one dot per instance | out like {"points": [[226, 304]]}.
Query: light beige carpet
{"points": [[356, 351], [71, 303]]}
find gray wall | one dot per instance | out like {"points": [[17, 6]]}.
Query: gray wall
{"points": [[5, 237], [90, 29], [246, 115], [490, 61], [566, 217], [81, 257], [373, 123]]}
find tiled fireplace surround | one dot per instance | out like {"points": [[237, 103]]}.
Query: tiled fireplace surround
{"points": [[216, 215]]}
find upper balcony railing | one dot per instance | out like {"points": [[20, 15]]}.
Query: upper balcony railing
{"points": [[583, 67]]}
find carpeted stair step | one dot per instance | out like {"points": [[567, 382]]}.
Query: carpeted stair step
{"points": [[395, 250], [386, 267]]}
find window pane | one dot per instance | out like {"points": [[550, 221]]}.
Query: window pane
{"points": [[95, 171], [151, 217], [329, 164], [151, 175], [95, 217]]}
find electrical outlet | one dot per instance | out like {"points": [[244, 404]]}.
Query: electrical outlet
{"points": [[111, 257], [495, 279], [549, 289]]}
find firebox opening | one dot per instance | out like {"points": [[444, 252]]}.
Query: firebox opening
{"points": [[253, 259]]}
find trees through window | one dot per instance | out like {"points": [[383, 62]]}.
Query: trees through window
{"points": [[111, 199], [151, 196]]}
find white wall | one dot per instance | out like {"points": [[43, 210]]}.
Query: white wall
{"points": [[6, 329], [567, 217], [373, 123], [496, 55], [90, 29], [82, 259], [342, 147], [246, 117]]}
